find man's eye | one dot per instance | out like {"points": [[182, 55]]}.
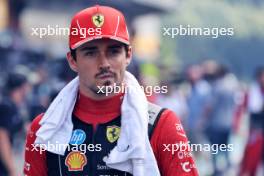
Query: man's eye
{"points": [[90, 53], [114, 51]]}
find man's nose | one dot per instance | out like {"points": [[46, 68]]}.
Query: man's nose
{"points": [[103, 62]]}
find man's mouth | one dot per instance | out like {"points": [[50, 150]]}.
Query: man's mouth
{"points": [[105, 76]]}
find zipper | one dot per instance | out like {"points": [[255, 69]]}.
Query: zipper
{"points": [[60, 164], [94, 131]]}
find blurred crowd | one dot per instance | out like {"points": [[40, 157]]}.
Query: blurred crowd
{"points": [[27, 87], [217, 108]]}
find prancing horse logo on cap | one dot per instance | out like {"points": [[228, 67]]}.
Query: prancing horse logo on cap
{"points": [[98, 20]]}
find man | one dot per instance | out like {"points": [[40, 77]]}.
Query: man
{"points": [[100, 58], [10, 120]]}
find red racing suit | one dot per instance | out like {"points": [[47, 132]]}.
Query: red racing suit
{"points": [[168, 133]]}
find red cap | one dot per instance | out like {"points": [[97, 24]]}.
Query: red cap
{"points": [[95, 23]]}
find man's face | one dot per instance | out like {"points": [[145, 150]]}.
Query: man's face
{"points": [[100, 63]]}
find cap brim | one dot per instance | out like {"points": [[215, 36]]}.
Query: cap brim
{"points": [[78, 44]]}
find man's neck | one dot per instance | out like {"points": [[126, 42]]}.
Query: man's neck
{"points": [[96, 96]]}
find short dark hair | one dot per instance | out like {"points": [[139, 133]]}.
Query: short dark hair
{"points": [[14, 81], [73, 51]]}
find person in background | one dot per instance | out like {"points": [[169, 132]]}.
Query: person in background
{"points": [[197, 101], [10, 120], [254, 151], [220, 118]]}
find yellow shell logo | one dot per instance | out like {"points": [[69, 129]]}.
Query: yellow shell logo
{"points": [[75, 161], [98, 20], [112, 133]]}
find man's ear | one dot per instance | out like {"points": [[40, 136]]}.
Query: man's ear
{"points": [[72, 62], [129, 55]]}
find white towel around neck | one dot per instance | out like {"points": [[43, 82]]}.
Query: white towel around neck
{"points": [[133, 152]]}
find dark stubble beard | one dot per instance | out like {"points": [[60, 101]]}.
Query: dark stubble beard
{"points": [[96, 91]]}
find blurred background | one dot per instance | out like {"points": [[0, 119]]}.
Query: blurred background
{"points": [[215, 85]]}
